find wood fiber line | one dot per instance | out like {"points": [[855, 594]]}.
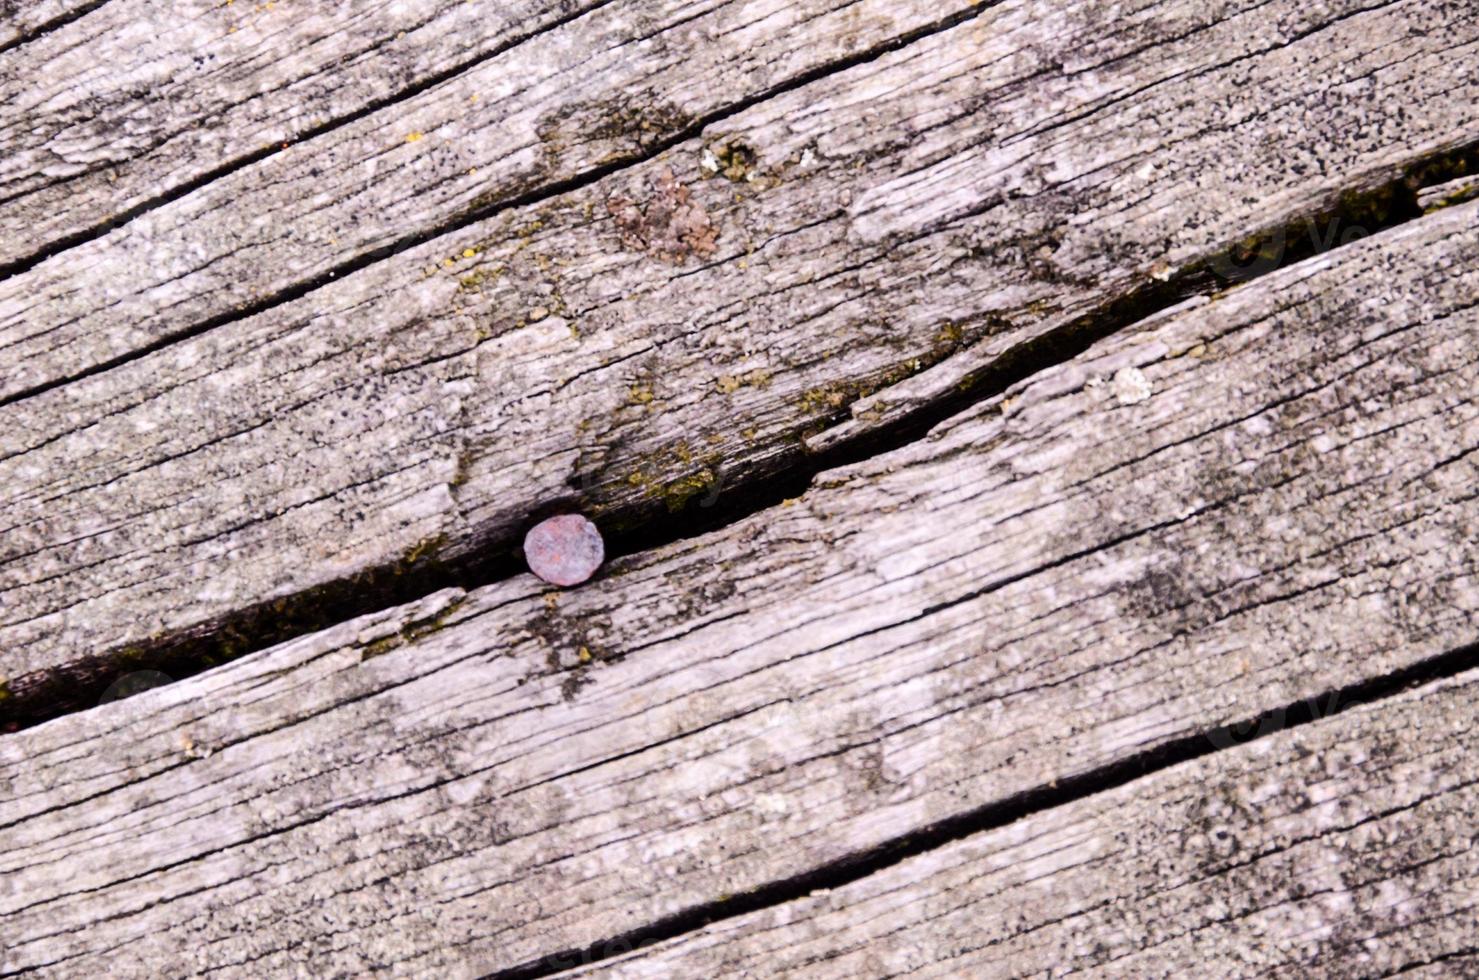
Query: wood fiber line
{"points": [[110, 115]]}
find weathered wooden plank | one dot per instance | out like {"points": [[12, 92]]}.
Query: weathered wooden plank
{"points": [[567, 359], [1344, 848], [140, 99], [1262, 498], [25, 20], [596, 91]]}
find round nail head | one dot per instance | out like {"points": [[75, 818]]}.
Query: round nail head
{"points": [[564, 550]]}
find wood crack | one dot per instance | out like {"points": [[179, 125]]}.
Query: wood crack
{"points": [[875, 744], [25, 263], [46, 27], [856, 867], [529, 198], [267, 624]]}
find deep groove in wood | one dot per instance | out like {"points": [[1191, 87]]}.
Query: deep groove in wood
{"points": [[464, 219], [998, 814], [1462, 954], [266, 624]]}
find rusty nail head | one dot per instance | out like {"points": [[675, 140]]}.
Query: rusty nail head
{"points": [[564, 550]]}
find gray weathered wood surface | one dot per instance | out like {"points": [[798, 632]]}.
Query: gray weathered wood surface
{"points": [[139, 99], [1255, 499], [1345, 848], [27, 20], [306, 310], [646, 340], [538, 108]]}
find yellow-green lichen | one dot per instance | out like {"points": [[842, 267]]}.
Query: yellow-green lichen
{"points": [[419, 552], [409, 633], [827, 398], [1461, 195], [733, 160], [730, 383], [950, 335], [676, 493], [477, 278]]}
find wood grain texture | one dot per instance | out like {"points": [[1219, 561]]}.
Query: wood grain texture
{"points": [[596, 91], [141, 98], [1263, 497], [26, 20], [655, 338], [1341, 849]]}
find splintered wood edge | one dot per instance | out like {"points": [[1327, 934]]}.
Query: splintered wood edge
{"points": [[1262, 500]]}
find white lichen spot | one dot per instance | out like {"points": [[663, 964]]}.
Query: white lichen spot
{"points": [[708, 162], [772, 805], [1131, 386]]}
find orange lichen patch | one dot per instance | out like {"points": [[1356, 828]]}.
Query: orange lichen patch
{"points": [[413, 137]]}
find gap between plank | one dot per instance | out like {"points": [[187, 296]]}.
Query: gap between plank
{"points": [[459, 221], [79, 685], [998, 814]]}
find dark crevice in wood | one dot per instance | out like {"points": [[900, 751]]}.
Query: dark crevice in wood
{"points": [[1469, 952], [1354, 213], [16, 267], [529, 198], [1371, 210], [59, 21], [33, 699], [998, 814]]}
